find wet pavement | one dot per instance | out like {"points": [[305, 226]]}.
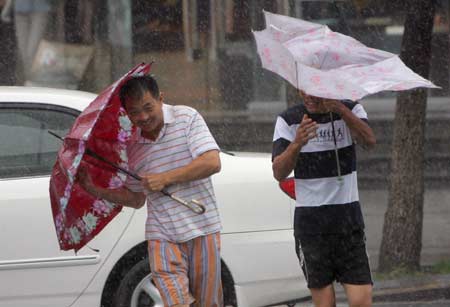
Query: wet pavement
{"points": [[414, 291], [444, 303]]}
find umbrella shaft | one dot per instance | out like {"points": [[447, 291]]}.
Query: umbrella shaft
{"points": [[94, 155], [338, 164], [98, 157], [55, 135], [194, 205]]}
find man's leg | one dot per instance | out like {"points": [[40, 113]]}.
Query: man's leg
{"points": [[358, 295], [36, 32], [169, 267], [314, 254], [323, 297], [22, 25], [352, 265], [205, 271]]}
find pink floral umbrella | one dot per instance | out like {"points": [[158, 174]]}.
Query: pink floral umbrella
{"points": [[104, 128], [328, 64]]}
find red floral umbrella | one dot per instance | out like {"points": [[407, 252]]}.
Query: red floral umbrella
{"points": [[104, 128]]}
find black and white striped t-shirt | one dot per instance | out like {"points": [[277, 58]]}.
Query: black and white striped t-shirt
{"points": [[324, 204]]}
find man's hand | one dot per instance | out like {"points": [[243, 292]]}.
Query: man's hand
{"points": [[284, 163], [155, 182], [332, 105], [359, 129], [201, 167], [305, 131], [121, 196]]}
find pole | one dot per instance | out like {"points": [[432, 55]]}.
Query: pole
{"points": [[335, 148]]}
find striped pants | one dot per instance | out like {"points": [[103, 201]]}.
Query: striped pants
{"points": [[188, 272]]}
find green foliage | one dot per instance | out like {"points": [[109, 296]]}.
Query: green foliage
{"points": [[441, 267], [398, 273]]}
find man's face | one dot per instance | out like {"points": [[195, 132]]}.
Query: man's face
{"points": [[146, 113], [312, 103]]}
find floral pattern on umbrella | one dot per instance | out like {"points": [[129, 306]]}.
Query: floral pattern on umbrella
{"points": [[104, 128], [328, 64]]}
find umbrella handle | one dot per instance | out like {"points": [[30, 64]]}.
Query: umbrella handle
{"points": [[194, 204]]}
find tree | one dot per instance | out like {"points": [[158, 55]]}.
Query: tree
{"points": [[402, 230]]}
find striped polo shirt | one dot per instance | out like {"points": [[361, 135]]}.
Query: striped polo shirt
{"points": [[324, 203], [183, 137]]}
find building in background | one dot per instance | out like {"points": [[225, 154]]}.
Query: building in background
{"points": [[204, 51]]}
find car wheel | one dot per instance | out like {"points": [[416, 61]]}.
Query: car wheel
{"points": [[137, 288]]}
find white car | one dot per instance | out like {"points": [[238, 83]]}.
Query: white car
{"points": [[259, 263]]}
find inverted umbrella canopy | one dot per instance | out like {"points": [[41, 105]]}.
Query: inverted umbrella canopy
{"points": [[104, 128], [328, 64]]}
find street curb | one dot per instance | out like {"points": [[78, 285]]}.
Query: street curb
{"points": [[412, 288]]}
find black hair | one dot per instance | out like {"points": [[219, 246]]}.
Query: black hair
{"points": [[136, 87]]}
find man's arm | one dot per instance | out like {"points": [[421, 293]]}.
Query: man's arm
{"points": [[121, 196], [284, 163], [201, 167], [360, 130]]}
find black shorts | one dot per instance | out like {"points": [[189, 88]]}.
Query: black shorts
{"points": [[326, 258]]}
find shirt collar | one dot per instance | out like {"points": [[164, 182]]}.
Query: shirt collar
{"points": [[168, 115]]}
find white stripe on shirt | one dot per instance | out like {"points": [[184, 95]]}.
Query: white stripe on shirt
{"points": [[184, 137]]}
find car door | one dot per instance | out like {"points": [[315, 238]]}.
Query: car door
{"points": [[257, 239], [33, 270]]}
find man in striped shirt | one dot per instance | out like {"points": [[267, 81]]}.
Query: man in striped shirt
{"points": [[310, 139], [175, 151]]}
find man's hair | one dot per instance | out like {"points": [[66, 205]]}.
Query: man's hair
{"points": [[136, 87]]}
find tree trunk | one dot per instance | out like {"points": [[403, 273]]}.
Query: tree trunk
{"points": [[402, 230]]}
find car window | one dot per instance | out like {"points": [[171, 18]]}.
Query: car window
{"points": [[26, 148]]}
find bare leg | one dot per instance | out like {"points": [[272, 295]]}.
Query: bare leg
{"points": [[30, 29], [22, 25], [358, 295], [323, 297], [36, 33]]}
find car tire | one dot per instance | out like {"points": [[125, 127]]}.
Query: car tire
{"points": [[137, 288]]}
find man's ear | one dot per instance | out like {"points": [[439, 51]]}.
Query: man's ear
{"points": [[161, 96]]}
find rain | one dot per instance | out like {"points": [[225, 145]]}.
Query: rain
{"points": [[204, 55]]}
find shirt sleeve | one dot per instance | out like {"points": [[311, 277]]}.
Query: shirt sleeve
{"points": [[133, 185], [359, 111], [199, 138], [282, 137]]}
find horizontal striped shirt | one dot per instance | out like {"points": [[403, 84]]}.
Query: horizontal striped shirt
{"points": [[184, 137], [316, 172]]}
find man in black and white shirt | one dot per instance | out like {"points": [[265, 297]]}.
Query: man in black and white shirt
{"points": [[328, 223]]}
